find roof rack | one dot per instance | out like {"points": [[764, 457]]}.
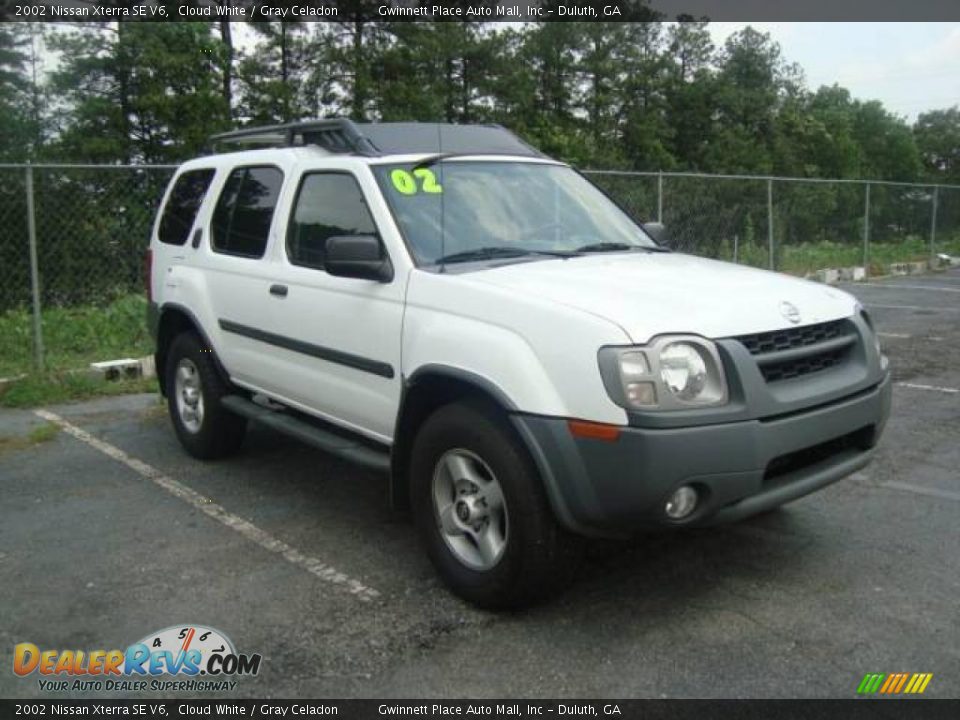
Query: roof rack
{"points": [[336, 135], [343, 136]]}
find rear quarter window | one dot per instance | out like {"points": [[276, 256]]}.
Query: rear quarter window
{"points": [[182, 206]]}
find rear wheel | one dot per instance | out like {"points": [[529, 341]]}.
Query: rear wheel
{"points": [[480, 506], [194, 388]]}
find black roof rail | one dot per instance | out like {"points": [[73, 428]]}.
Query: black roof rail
{"points": [[343, 136], [337, 135]]}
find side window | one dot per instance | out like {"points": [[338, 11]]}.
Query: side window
{"points": [[182, 206], [327, 204], [241, 220]]}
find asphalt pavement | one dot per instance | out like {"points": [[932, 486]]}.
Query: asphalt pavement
{"points": [[109, 532]]}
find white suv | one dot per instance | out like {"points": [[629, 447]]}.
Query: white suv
{"points": [[446, 305]]}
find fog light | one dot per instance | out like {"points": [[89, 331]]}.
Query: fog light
{"points": [[681, 503]]}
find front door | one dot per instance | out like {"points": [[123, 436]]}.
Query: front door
{"points": [[339, 338]]}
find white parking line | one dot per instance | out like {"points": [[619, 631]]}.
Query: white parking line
{"points": [[934, 388], [204, 504], [893, 335], [920, 490], [897, 286]]}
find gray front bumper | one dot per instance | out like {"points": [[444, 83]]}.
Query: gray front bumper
{"points": [[615, 488]]}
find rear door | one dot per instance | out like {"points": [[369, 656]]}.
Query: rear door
{"points": [[240, 231]]}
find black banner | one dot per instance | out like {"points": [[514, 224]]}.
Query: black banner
{"points": [[478, 10], [914, 709]]}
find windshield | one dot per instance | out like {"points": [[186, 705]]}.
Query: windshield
{"points": [[510, 208]]}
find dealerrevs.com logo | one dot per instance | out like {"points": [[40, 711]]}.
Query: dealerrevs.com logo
{"points": [[200, 658]]}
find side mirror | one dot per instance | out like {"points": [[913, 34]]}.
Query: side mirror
{"points": [[660, 234], [357, 256]]}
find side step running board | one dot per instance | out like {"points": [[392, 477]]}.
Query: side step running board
{"points": [[350, 450]]}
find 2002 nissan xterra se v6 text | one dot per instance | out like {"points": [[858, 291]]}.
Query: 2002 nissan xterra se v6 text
{"points": [[527, 364]]}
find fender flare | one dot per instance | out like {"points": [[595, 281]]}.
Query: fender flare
{"points": [[398, 479], [198, 326]]}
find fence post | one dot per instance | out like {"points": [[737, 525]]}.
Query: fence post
{"points": [[660, 196], [34, 272], [773, 264], [866, 229], [933, 224]]}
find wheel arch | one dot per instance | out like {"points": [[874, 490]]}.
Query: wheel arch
{"points": [[427, 389], [432, 386], [174, 320]]}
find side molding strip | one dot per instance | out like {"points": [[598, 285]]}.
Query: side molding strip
{"points": [[357, 362]]}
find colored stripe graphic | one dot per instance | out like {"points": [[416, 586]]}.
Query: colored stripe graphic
{"points": [[891, 678], [870, 683], [894, 683], [900, 682]]}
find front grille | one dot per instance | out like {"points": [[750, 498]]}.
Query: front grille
{"points": [[803, 366], [795, 352], [767, 342], [799, 460]]}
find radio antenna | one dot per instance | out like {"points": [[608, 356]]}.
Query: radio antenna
{"points": [[443, 224]]}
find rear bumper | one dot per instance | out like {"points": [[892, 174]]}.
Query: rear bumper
{"points": [[740, 468]]}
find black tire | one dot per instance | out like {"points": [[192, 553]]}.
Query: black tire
{"points": [[219, 433], [540, 558]]}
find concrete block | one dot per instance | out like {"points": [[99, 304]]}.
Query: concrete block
{"points": [[124, 369], [148, 367], [898, 269], [853, 274], [828, 276]]}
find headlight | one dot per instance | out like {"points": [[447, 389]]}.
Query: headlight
{"points": [[670, 373]]}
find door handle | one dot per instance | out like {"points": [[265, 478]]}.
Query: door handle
{"points": [[196, 238], [278, 290]]}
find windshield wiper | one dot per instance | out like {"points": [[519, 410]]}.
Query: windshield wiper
{"points": [[498, 251], [617, 246]]}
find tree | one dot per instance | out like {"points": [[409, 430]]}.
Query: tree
{"points": [[148, 92], [937, 135], [888, 148], [272, 75], [22, 93], [437, 72]]}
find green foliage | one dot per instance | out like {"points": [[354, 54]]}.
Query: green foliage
{"points": [[144, 92], [42, 433], [629, 95], [938, 137], [76, 336]]}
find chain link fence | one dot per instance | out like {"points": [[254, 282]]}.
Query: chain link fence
{"points": [[72, 241], [72, 246], [794, 225]]}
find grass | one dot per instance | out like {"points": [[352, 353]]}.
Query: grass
{"points": [[75, 337], [40, 434], [57, 388], [805, 258], [43, 433]]}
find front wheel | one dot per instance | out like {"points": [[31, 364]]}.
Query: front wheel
{"points": [[480, 506]]}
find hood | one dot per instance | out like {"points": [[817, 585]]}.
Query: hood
{"points": [[649, 294]]}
